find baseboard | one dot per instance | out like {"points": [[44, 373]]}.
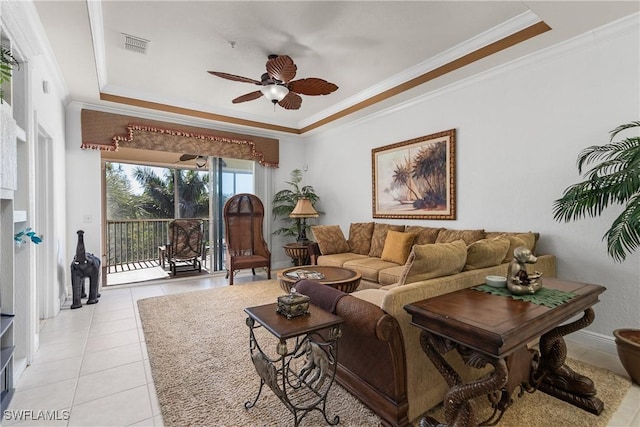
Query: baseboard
{"points": [[594, 340]]}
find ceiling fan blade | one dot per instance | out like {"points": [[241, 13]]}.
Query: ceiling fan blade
{"points": [[281, 68], [186, 157], [312, 86], [247, 97], [234, 77], [292, 101]]}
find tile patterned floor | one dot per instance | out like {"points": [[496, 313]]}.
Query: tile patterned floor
{"points": [[93, 369]]}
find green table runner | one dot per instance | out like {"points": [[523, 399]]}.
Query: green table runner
{"points": [[548, 297]]}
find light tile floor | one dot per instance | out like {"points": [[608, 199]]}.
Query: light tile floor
{"points": [[93, 369]]}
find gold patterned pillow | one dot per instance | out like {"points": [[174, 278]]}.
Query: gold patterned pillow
{"points": [[486, 253], [424, 235], [527, 240], [360, 237], [397, 246], [379, 236], [330, 239], [434, 260], [469, 236]]}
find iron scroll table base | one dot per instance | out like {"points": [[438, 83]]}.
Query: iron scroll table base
{"points": [[303, 371]]}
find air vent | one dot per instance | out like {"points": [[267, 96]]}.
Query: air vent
{"points": [[135, 44]]}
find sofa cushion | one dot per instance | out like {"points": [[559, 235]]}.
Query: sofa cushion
{"points": [[447, 235], [397, 246], [486, 253], [390, 276], [338, 260], [369, 267], [434, 260], [330, 239], [379, 236], [360, 237], [424, 235]]}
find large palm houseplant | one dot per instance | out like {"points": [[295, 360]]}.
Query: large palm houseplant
{"points": [[613, 180], [284, 201]]}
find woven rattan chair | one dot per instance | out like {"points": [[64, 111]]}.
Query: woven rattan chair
{"points": [[185, 246], [245, 245]]}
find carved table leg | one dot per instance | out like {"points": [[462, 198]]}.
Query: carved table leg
{"points": [[550, 375], [458, 405]]}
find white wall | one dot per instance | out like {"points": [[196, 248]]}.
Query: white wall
{"points": [[291, 157], [519, 131], [83, 199]]}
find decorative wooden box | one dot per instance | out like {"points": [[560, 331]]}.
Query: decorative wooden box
{"points": [[293, 304]]}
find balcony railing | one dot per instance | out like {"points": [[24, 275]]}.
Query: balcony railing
{"points": [[133, 244]]}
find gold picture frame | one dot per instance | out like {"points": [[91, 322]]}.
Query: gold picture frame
{"points": [[416, 179]]}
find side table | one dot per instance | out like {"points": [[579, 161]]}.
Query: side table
{"points": [[491, 329], [304, 369], [298, 252]]}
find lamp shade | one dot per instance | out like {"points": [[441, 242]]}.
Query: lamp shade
{"points": [[304, 209], [274, 93]]}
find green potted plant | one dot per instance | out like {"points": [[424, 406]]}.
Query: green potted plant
{"points": [[284, 201], [7, 63], [614, 180]]}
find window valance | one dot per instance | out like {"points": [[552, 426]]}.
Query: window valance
{"points": [[106, 131]]}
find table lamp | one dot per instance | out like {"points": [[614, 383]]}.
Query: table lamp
{"points": [[304, 209]]}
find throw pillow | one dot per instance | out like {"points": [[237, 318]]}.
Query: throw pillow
{"points": [[486, 253], [397, 247], [469, 236], [434, 260], [379, 236], [425, 235], [527, 240], [360, 237], [330, 239], [536, 237]]}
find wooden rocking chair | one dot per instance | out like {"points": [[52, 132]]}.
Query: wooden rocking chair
{"points": [[185, 246]]}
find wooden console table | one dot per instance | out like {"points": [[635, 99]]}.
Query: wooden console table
{"points": [[490, 329], [314, 338]]}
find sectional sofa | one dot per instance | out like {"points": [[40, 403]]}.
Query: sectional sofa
{"points": [[380, 358]]}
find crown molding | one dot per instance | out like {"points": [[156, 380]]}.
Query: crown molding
{"points": [[94, 9], [493, 35], [605, 33]]}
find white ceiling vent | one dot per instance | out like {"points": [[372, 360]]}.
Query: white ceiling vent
{"points": [[135, 44]]}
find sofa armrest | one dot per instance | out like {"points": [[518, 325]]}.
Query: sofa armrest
{"points": [[371, 353], [314, 252]]}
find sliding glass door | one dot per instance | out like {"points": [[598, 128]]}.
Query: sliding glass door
{"points": [[141, 200]]}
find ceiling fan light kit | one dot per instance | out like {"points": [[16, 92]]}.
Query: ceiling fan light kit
{"points": [[274, 92], [277, 84]]}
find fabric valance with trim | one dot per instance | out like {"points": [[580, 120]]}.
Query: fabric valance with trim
{"points": [[107, 131]]}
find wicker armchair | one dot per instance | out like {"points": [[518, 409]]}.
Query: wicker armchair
{"points": [[245, 245], [185, 246]]}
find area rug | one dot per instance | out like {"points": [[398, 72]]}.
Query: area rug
{"points": [[198, 351]]}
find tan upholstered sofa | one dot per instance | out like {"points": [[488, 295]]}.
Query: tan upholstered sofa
{"points": [[380, 358]]}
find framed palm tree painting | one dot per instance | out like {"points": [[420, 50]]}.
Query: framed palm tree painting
{"points": [[415, 179]]}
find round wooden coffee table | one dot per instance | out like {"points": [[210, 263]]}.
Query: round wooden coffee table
{"points": [[343, 279]]}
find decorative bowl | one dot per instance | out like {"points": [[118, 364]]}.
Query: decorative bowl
{"points": [[496, 281]]}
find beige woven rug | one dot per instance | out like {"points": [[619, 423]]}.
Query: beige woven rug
{"points": [[198, 351]]}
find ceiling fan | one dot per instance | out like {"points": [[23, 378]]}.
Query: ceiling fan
{"points": [[277, 84], [201, 161]]}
